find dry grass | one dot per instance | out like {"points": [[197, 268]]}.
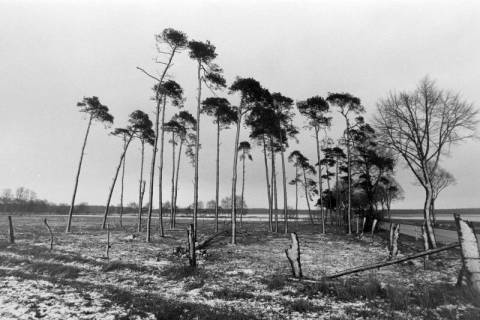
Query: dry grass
{"points": [[247, 281]]}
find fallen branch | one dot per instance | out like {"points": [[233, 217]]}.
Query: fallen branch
{"points": [[49, 231], [205, 242], [388, 263]]}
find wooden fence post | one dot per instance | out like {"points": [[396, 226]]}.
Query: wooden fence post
{"points": [[293, 255], [191, 246], [49, 231], [11, 234], [363, 226], [373, 227], [107, 249], [393, 241], [470, 253]]}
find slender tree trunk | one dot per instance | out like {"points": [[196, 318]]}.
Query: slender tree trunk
{"points": [[155, 148], [122, 184], [274, 187], [152, 170], [349, 209], [160, 171], [432, 211], [270, 222], [176, 181], [285, 205], [141, 189], [197, 150], [337, 193], [107, 206], [243, 189], [320, 184], [234, 177], [306, 195], [217, 175], [296, 192], [172, 218], [427, 213], [72, 204]]}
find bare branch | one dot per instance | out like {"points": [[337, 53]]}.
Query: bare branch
{"points": [[148, 74]]}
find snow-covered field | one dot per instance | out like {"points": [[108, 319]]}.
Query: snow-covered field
{"points": [[247, 281]]}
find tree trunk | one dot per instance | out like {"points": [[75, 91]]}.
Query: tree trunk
{"points": [[176, 181], [107, 206], [234, 177], [432, 211], [427, 213], [270, 213], [285, 205], [191, 246], [172, 197], [393, 243], [160, 171], [122, 185], [349, 165], [152, 170], [275, 194], [72, 204], [337, 192], [306, 196], [197, 150], [217, 175], [320, 186], [296, 192], [293, 255], [140, 187], [243, 189]]}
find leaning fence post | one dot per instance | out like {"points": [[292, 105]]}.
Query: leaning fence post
{"points": [[49, 231], [293, 255], [470, 253], [393, 243], [10, 230]]}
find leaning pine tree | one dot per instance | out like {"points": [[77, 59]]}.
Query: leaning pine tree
{"points": [[174, 41], [211, 75], [96, 112]]}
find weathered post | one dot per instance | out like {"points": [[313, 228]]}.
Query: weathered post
{"points": [[357, 224], [10, 230], [191, 246], [363, 226], [393, 243], [373, 228], [107, 249], [470, 253], [50, 232], [293, 255]]}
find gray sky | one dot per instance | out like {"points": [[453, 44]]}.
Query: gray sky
{"points": [[52, 53]]}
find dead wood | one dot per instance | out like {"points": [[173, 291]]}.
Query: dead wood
{"points": [[293, 255], [191, 246], [388, 263], [393, 241], [470, 253], [50, 232], [11, 234], [204, 243], [373, 228]]}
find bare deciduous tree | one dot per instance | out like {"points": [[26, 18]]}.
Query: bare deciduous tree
{"points": [[422, 126]]}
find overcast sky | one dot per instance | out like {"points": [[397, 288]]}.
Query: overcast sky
{"points": [[53, 53]]}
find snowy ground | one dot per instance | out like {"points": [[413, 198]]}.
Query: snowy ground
{"points": [[247, 281]]}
